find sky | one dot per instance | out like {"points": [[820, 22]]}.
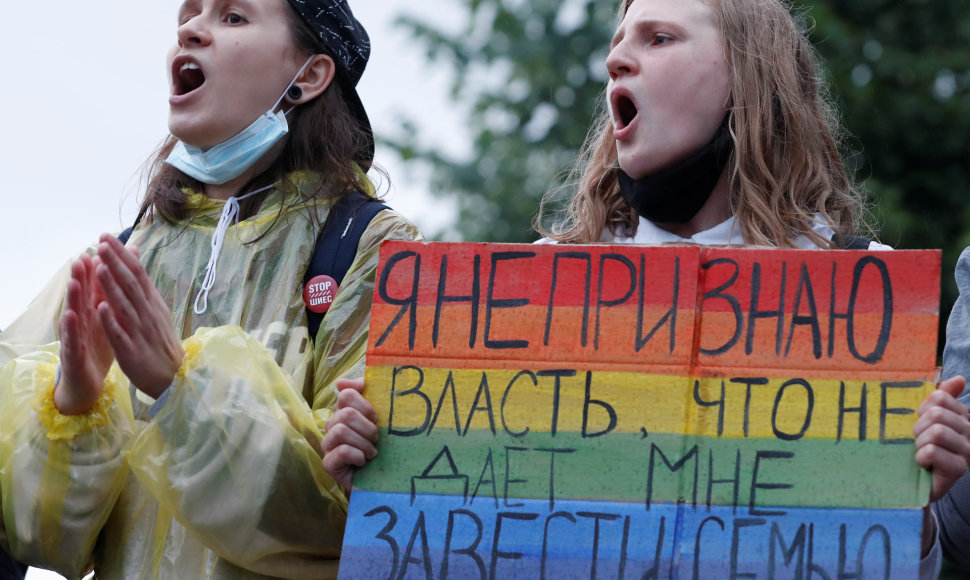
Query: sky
{"points": [[86, 102]]}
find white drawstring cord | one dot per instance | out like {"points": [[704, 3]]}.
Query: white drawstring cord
{"points": [[230, 212]]}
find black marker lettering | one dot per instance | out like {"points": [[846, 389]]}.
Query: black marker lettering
{"points": [[756, 485], [408, 303], [470, 550], [811, 320], [754, 314], [862, 410], [492, 303], [718, 293], [474, 299], [600, 302], [586, 294], [415, 390]]}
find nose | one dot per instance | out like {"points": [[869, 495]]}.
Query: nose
{"points": [[618, 62], [193, 31]]}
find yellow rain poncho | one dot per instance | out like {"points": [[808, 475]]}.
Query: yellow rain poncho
{"points": [[226, 480]]}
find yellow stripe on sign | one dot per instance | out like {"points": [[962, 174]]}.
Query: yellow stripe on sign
{"points": [[433, 400]]}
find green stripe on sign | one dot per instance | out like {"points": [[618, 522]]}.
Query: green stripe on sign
{"points": [[657, 468]]}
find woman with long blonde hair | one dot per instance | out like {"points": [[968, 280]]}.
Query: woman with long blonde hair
{"points": [[718, 130]]}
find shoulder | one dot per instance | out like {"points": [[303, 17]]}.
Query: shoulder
{"points": [[387, 225], [964, 260], [962, 272], [390, 225]]}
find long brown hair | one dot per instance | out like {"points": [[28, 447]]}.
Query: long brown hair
{"points": [[324, 137], [786, 171]]}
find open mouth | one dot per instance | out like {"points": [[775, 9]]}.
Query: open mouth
{"points": [[187, 77], [624, 110]]}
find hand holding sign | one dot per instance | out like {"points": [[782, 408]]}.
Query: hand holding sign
{"points": [[351, 433], [943, 436]]}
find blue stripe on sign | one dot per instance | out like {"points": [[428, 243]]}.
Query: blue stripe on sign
{"points": [[438, 537]]}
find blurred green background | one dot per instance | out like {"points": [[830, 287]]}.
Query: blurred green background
{"points": [[528, 76]]}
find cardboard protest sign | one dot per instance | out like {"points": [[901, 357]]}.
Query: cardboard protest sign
{"points": [[644, 412]]}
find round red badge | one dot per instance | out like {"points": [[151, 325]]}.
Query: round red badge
{"points": [[319, 292]]}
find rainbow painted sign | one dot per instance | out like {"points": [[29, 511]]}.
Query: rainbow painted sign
{"points": [[644, 412]]}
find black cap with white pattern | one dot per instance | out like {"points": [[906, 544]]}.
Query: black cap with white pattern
{"points": [[349, 45]]}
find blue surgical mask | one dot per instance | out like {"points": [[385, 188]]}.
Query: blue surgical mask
{"points": [[231, 158]]}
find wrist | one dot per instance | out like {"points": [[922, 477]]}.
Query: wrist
{"points": [[67, 401], [65, 416], [155, 386]]}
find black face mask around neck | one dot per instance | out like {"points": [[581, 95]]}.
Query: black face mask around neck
{"points": [[675, 195]]}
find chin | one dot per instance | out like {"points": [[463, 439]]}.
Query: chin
{"points": [[635, 164], [639, 168], [634, 170], [193, 138]]}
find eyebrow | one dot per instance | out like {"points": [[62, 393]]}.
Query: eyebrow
{"points": [[648, 24]]}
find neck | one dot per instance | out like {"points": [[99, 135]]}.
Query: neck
{"points": [[228, 189], [715, 211]]}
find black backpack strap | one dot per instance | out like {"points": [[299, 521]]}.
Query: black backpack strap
{"points": [[125, 235], [10, 568], [851, 242], [337, 243]]}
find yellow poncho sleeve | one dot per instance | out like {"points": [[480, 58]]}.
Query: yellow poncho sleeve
{"points": [[59, 476]]}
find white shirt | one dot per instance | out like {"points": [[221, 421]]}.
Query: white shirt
{"points": [[725, 233]]}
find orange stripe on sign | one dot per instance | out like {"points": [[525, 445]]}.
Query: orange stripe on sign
{"points": [[856, 311]]}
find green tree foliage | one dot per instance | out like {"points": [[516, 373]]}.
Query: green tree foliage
{"points": [[902, 81], [533, 72]]}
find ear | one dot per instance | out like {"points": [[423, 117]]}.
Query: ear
{"points": [[314, 79]]}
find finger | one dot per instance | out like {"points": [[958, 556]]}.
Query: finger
{"points": [[947, 468], [114, 257], [75, 287], [118, 296], [147, 310], [352, 399], [97, 289], [342, 434], [77, 303], [81, 272], [354, 384], [351, 428], [357, 421], [339, 465], [953, 386], [942, 399], [943, 415], [946, 439], [120, 341], [127, 258], [345, 457], [69, 330]]}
